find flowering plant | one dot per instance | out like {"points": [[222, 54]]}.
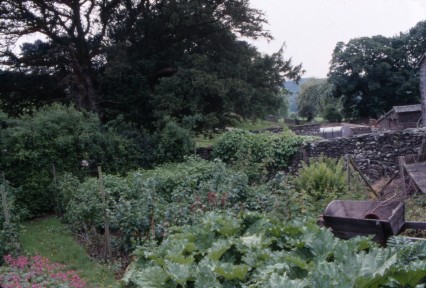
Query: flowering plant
{"points": [[36, 272]]}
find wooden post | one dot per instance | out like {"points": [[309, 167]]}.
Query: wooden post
{"points": [[55, 182], [387, 184], [363, 177], [348, 170], [401, 161], [305, 156], [4, 200], [108, 250], [422, 150]]}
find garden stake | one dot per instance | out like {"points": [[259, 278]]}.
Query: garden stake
{"points": [[108, 252]]}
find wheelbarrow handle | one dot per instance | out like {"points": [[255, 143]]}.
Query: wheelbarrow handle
{"points": [[414, 225]]}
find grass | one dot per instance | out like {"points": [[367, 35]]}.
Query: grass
{"points": [[50, 238], [256, 125]]}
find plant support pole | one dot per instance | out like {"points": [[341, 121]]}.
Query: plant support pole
{"points": [[348, 170], [108, 251], [401, 161], [363, 177], [4, 200]]}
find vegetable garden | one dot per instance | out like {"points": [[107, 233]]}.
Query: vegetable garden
{"points": [[235, 221]]}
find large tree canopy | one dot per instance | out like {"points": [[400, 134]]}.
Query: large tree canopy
{"points": [[372, 74], [149, 59], [73, 32]]}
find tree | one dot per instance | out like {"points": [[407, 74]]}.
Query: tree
{"points": [[147, 60], [372, 74], [72, 33], [194, 67], [314, 97]]}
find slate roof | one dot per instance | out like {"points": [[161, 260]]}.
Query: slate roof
{"points": [[403, 109], [407, 108]]}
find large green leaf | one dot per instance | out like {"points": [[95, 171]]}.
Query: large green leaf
{"points": [[205, 276], [231, 272], [180, 273], [277, 281], [409, 275], [322, 244], [154, 277], [218, 249]]}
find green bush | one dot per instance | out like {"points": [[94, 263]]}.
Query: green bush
{"points": [[258, 155], [174, 142], [331, 114], [322, 181], [60, 136]]}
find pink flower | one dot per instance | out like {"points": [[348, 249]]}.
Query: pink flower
{"points": [[22, 272]]}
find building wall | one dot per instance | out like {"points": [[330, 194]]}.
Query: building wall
{"points": [[389, 122], [408, 120]]}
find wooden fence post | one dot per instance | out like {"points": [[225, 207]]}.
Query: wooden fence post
{"points": [[108, 251], [363, 177], [348, 171], [4, 200], [55, 182], [401, 161]]}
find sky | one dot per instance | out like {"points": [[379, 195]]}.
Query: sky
{"points": [[310, 29]]}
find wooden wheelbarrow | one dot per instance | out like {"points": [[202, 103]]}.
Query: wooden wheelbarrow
{"points": [[350, 218]]}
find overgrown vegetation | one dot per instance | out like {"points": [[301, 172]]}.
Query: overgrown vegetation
{"points": [[324, 180], [258, 155]]}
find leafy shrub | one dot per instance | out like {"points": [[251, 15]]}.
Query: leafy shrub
{"points": [[258, 154], [174, 142], [322, 181], [331, 114], [36, 272], [252, 250], [64, 137]]}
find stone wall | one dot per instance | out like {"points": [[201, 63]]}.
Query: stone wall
{"points": [[375, 154], [308, 129], [361, 130]]}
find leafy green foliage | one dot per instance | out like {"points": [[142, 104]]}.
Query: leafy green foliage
{"points": [[198, 67], [322, 181], [258, 154], [174, 143], [265, 252], [332, 114], [314, 96], [372, 74], [144, 204], [60, 136]]}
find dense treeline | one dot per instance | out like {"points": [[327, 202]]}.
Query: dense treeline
{"points": [[148, 61], [372, 74]]}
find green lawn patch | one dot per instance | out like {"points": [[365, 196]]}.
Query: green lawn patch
{"points": [[50, 238]]}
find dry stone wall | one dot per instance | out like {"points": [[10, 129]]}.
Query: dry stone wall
{"points": [[375, 153]]}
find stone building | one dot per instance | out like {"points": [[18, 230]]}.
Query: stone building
{"points": [[401, 117], [421, 65]]}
